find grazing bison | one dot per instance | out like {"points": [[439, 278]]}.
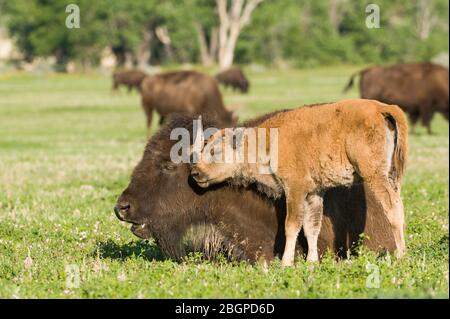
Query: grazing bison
{"points": [[186, 92], [131, 79], [164, 203], [317, 148], [420, 89], [235, 78]]}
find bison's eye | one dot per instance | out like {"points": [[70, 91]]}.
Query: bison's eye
{"points": [[168, 166]]}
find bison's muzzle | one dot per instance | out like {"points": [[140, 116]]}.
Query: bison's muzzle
{"points": [[121, 210], [124, 212]]}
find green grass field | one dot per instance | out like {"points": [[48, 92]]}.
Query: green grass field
{"points": [[67, 148]]}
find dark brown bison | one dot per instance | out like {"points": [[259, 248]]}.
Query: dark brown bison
{"points": [[420, 89], [187, 92], [131, 79], [164, 203], [235, 78]]}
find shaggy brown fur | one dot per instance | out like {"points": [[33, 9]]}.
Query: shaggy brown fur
{"points": [[420, 89], [235, 78], [162, 202], [131, 79], [187, 92], [322, 147]]}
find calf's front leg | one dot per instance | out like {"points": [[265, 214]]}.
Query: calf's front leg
{"points": [[294, 221]]}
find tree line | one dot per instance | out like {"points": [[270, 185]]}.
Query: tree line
{"points": [[300, 33]]}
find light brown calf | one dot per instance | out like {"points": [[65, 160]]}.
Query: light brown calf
{"points": [[320, 147]]}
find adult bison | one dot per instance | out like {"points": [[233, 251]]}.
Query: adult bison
{"points": [[420, 89], [131, 79], [235, 78], [163, 202], [186, 92]]}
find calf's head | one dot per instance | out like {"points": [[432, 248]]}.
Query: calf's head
{"points": [[219, 159]]}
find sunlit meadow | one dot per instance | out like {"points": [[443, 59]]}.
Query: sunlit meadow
{"points": [[67, 147]]}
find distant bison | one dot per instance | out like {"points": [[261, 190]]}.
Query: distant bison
{"points": [[235, 78], [131, 79], [420, 89], [162, 202], [187, 92]]}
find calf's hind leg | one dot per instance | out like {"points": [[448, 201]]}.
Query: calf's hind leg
{"points": [[312, 224], [372, 159], [381, 193]]}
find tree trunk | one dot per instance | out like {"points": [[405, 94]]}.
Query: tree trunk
{"points": [[61, 60], [227, 53], [232, 21], [214, 43], [425, 18], [223, 30], [162, 33], [335, 12], [205, 53], [144, 51], [129, 61]]}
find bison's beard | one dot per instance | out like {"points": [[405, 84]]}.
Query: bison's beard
{"points": [[204, 238], [210, 241]]}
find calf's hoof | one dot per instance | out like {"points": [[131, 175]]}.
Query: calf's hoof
{"points": [[264, 266], [399, 253], [312, 258], [287, 263]]}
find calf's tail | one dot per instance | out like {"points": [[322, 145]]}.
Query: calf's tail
{"points": [[396, 117]]}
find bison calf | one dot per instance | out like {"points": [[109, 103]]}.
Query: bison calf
{"points": [[319, 148]]}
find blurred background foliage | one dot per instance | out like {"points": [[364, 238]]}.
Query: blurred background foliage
{"points": [[280, 33]]}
